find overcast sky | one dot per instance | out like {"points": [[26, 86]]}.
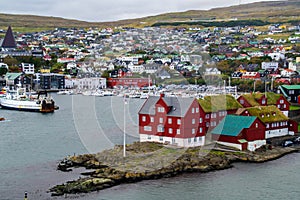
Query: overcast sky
{"points": [[109, 10]]}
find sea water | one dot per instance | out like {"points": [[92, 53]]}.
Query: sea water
{"points": [[32, 144]]}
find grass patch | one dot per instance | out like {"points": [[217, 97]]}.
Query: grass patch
{"points": [[292, 107]]}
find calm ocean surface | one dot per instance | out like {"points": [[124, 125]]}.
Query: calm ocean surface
{"points": [[31, 145]]}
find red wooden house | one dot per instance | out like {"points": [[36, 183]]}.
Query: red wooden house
{"points": [[215, 108], [171, 120], [265, 99], [275, 122], [241, 132]]}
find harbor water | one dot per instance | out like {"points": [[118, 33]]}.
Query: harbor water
{"points": [[32, 144]]}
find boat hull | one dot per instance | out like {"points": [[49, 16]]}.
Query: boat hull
{"points": [[31, 106]]}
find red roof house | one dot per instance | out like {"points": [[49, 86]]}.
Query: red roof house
{"points": [[241, 132], [171, 120]]}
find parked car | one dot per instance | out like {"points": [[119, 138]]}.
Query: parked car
{"points": [[287, 143], [296, 140]]}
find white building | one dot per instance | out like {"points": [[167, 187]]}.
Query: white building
{"points": [[269, 65], [136, 68], [27, 68], [212, 71], [3, 65], [90, 83]]}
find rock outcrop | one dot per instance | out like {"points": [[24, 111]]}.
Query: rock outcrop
{"points": [[151, 161]]}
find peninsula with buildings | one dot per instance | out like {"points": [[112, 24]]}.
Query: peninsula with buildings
{"points": [[216, 91]]}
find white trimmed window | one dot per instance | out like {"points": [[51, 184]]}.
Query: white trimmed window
{"points": [[152, 119], [193, 131], [178, 131], [161, 109], [200, 120], [193, 121], [170, 121], [161, 120], [170, 130], [193, 110], [197, 110], [160, 129], [144, 118], [200, 130], [147, 128], [178, 121], [207, 116]]}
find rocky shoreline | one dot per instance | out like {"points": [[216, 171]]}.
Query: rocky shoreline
{"points": [[146, 161]]}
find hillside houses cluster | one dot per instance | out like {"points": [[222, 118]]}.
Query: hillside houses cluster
{"points": [[160, 51], [245, 123]]}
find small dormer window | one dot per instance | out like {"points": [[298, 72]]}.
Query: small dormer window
{"points": [[263, 101], [262, 115], [274, 114], [242, 101], [268, 115], [161, 109]]}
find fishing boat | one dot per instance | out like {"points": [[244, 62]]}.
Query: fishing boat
{"points": [[19, 100]]}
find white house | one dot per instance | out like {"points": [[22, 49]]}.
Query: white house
{"points": [[276, 56], [269, 65], [3, 65], [287, 73], [212, 71], [71, 65], [27, 68], [136, 68]]}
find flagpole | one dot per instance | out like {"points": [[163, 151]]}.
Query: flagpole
{"points": [[124, 133]]}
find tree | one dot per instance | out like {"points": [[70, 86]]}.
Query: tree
{"points": [[3, 70], [10, 61]]}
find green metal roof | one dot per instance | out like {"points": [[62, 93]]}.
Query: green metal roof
{"points": [[232, 125], [291, 87], [12, 76]]}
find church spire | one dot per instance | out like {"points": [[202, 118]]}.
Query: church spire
{"points": [[9, 40]]}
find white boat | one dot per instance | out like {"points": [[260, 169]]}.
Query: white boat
{"points": [[65, 92], [144, 95], [107, 93], [18, 100], [98, 94]]}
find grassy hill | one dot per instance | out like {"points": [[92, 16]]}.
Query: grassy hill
{"points": [[277, 11]]}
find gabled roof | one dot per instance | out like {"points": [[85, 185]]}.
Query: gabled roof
{"points": [[291, 87], [179, 106], [218, 103], [232, 125], [272, 98], [12, 76], [267, 114]]}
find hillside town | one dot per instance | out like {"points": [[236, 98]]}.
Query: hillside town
{"points": [[230, 74]]}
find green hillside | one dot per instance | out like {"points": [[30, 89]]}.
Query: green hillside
{"points": [[277, 11]]}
